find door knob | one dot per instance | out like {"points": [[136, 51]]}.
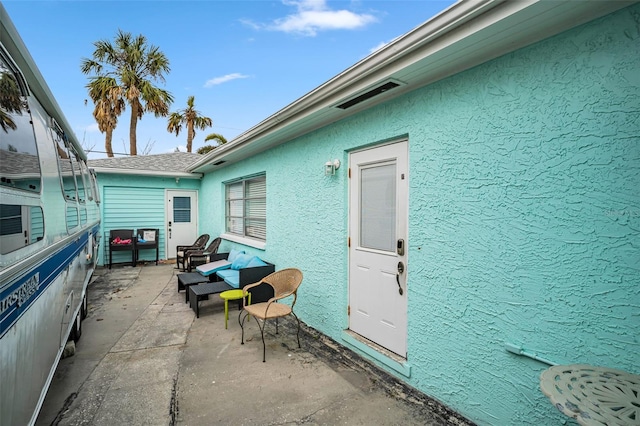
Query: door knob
{"points": [[400, 270]]}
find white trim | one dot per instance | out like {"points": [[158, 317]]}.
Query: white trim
{"points": [[260, 245], [376, 353], [196, 209], [133, 172]]}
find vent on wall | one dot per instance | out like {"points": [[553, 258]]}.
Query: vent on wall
{"points": [[368, 95]]}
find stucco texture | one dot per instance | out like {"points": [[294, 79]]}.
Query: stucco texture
{"points": [[524, 218]]}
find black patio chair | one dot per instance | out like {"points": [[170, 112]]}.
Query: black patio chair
{"points": [[200, 257], [150, 237], [197, 245], [122, 240]]}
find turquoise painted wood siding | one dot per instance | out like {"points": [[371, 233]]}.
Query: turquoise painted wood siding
{"points": [[524, 219], [133, 202], [133, 208]]}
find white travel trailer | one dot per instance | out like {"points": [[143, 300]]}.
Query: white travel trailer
{"points": [[49, 226]]}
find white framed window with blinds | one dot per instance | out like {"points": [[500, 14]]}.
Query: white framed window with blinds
{"points": [[246, 207]]}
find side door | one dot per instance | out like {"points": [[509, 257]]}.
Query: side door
{"points": [[378, 210], [182, 219]]}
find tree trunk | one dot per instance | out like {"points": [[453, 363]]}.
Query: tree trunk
{"points": [[107, 142], [133, 146], [190, 136]]}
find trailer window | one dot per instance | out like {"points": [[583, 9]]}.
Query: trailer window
{"points": [[19, 162], [69, 177], [19, 226]]}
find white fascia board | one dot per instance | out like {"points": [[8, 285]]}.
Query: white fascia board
{"points": [[151, 173]]}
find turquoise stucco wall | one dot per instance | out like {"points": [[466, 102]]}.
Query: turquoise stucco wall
{"points": [[524, 219], [133, 202]]}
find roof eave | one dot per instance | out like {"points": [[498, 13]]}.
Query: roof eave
{"points": [[463, 36], [148, 173]]}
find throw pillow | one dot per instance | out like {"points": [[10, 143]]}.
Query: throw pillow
{"points": [[254, 262], [233, 254], [241, 261]]}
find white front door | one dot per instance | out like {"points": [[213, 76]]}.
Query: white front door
{"points": [[378, 198], [182, 219]]}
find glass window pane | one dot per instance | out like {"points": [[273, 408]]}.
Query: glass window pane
{"points": [[255, 187], [246, 207], [87, 180], [256, 229], [378, 207], [19, 164], [72, 217], [182, 216], [234, 191], [182, 203], [181, 209], [257, 208], [235, 225], [235, 208], [66, 168], [20, 225], [11, 225], [75, 162], [37, 224]]}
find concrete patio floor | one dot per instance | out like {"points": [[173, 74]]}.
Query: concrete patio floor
{"points": [[144, 359]]}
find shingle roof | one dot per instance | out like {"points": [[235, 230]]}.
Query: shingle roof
{"points": [[13, 164], [174, 162]]}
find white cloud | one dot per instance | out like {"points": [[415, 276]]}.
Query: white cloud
{"points": [[313, 16], [225, 78]]}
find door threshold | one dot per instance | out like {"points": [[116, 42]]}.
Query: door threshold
{"points": [[379, 354]]}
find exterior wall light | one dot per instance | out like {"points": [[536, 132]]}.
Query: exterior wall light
{"points": [[330, 167]]}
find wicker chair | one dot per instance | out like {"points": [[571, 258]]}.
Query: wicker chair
{"points": [[285, 283], [197, 245], [199, 257]]}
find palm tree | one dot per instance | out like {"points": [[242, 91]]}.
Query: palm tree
{"points": [[216, 137], [189, 117], [109, 104], [212, 137], [135, 66]]}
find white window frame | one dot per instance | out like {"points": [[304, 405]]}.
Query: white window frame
{"points": [[252, 234]]}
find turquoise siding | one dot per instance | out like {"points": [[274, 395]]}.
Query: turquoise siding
{"points": [[133, 202], [36, 218], [524, 218]]}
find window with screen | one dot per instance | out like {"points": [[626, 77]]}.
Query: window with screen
{"points": [[181, 209], [246, 207]]}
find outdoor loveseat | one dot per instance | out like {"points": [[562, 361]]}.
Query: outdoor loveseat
{"points": [[228, 271]]}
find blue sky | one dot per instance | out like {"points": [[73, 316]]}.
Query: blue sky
{"points": [[242, 60]]}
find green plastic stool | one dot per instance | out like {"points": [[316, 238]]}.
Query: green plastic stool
{"points": [[232, 295]]}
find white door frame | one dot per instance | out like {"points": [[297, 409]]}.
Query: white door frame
{"points": [[377, 291], [172, 240]]}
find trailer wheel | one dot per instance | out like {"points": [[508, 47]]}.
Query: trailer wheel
{"points": [[85, 306], [76, 333]]}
